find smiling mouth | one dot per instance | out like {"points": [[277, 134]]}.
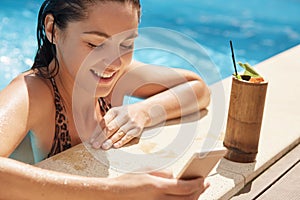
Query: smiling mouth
{"points": [[104, 76]]}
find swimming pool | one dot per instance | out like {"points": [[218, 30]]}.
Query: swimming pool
{"points": [[258, 28]]}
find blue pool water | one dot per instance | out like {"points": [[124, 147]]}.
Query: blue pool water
{"points": [[258, 28]]}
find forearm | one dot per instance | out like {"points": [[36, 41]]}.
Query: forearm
{"points": [[180, 100], [22, 181]]}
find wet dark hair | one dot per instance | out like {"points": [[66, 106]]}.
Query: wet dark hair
{"points": [[63, 12]]}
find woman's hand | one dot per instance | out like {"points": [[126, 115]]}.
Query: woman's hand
{"points": [[120, 125], [158, 186]]}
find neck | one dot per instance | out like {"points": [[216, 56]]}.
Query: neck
{"points": [[79, 103], [65, 85]]}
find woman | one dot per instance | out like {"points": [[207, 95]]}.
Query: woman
{"points": [[69, 32]]}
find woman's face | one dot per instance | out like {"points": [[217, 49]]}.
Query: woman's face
{"points": [[97, 49]]}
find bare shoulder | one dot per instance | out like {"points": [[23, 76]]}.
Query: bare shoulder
{"points": [[40, 97], [39, 88], [27, 93], [18, 105], [15, 89]]}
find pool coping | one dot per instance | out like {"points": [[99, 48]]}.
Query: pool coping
{"points": [[279, 133]]}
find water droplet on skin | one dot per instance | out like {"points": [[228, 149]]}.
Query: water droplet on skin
{"points": [[85, 184]]}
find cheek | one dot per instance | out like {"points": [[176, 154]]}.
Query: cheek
{"points": [[74, 64], [127, 58], [72, 59]]}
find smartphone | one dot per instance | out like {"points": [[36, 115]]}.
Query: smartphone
{"points": [[201, 164]]}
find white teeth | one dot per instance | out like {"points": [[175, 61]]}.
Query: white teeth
{"points": [[105, 75], [102, 75]]}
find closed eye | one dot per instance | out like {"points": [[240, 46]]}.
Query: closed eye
{"points": [[91, 45], [129, 44]]}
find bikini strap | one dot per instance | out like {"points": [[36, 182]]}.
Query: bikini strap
{"points": [[62, 139], [104, 105]]}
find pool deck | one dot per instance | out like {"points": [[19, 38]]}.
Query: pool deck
{"points": [[278, 154]]}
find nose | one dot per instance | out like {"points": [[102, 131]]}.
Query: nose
{"points": [[113, 64], [116, 63], [112, 56]]}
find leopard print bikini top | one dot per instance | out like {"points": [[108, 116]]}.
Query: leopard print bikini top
{"points": [[62, 139]]}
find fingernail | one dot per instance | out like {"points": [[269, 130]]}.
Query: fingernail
{"points": [[117, 145], [110, 127], [107, 144], [96, 145]]}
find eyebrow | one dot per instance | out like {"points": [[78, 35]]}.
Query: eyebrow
{"points": [[101, 34]]}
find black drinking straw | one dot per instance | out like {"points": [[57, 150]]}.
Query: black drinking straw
{"points": [[233, 59]]}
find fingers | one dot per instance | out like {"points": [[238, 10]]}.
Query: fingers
{"points": [[119, 128], [107, 139], [120, 138], [109, 116], [102, 125], [113, 122], [180, 189], [97, 139], [163, 174], [127, 138], [115, 138], [109, 125]]}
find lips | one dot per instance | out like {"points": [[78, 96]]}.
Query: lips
{"points": [[104, 76]]}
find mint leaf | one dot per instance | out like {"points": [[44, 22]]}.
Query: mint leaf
{"points": [[249, 70]]}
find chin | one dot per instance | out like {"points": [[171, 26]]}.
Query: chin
{"points": [[102, 92]]}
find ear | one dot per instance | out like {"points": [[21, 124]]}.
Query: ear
{"points": [[49, 26]]}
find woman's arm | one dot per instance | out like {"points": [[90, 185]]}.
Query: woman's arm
{"points": [[180, 100], [170, 93], [144, 80], [23, 181]]}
